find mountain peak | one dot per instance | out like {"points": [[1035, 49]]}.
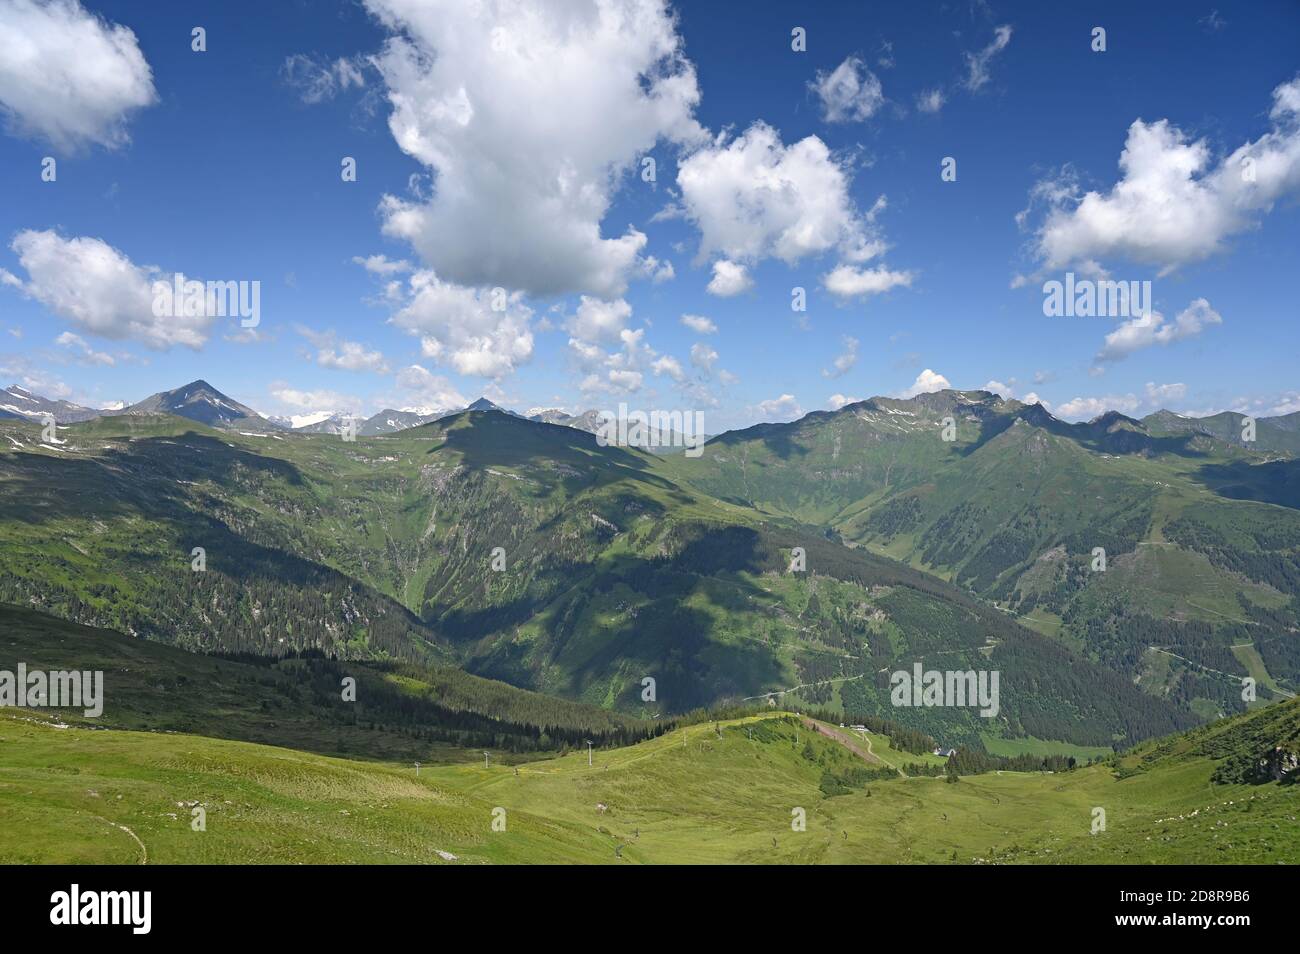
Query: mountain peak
{"points": [[1111, 419], [199, 401]]}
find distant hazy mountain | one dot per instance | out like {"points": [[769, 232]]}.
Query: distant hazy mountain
{"points": [[292, 422], [17, 401], [588, 421], [200, 401], [1279, 434], [323, 423], [664, 442], [388, 420]]}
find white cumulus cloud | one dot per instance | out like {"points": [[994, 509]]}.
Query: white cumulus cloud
{"points": [[1173, 203], [729, 279], [521, 186], [332, 352], [67, 76], [100, 290], [783, 408], [699, 324], [667, 364], [599, 322], [926, 382], [458, 326], [1087, 408], [753, 197], [420, 388], [1152, 329], [845, 281]]}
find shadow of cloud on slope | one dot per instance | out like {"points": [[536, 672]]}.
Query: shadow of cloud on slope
{"points": [[714, 550], [494, 439], [145, 478], [665, 639], [1276, 482], [778, 438], [673, 643]]}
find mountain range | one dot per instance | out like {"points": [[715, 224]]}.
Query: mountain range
{"points": [[498, 583], [525, 551], [199, 401], [18, 402]]}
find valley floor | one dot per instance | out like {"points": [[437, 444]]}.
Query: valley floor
{"points": [[710, 793]]}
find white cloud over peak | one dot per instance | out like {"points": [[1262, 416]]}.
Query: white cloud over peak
{"points": [[1009, 391], [459, 328], [783, 408], [314, 401], [1173, 203], [420, 387], [1087, 408], [521, 187], [925, 382], [69, 77], [1154, 396]]}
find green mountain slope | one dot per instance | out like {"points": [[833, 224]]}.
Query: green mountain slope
{"points": [[1201, 535], [396, 710], [612, 573]]}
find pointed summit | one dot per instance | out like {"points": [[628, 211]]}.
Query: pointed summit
{"points": [[483, 404], [200, 401]]}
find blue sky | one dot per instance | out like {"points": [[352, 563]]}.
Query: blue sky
{"points": [[505, 150]]}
